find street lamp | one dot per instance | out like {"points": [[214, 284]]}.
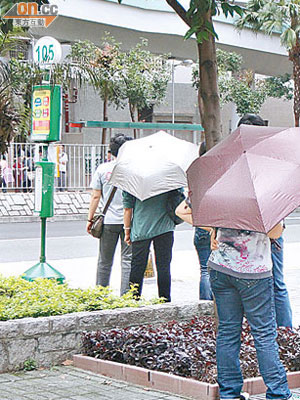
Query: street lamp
{"points": [[184, 63]]}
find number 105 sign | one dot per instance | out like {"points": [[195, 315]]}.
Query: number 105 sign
{"points": [[47, 50]]}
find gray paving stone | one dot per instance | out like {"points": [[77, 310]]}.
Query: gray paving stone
{"points": [[69, 383], [97, 397], [36, 396]]}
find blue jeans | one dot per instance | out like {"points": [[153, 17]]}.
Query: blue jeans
{"points": [[202, 244], [255, 297], [282, 301]]}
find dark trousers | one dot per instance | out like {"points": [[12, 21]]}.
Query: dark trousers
{"points": [[163, 255]]}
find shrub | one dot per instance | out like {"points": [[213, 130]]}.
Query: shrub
{"points": [[44, 297], [185, 349], [30, 365]]}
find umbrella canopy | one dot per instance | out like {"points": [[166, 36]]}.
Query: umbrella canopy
{"points": [[251, 180], [153, 165]]}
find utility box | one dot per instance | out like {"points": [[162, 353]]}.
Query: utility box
{"points": [[46, 120], [44, 189]]}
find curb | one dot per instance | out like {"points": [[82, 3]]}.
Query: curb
{"points": [[167, 382], [33, 218]]}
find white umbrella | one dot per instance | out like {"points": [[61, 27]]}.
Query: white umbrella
{"points": [[153, 165]]}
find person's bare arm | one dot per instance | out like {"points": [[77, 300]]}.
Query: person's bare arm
{"points": [[95, 198], [127, 224], [276, 232], [214, 243], [184, 212]]}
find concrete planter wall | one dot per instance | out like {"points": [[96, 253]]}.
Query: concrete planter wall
{"points": [[51, 340], [168, 382]]}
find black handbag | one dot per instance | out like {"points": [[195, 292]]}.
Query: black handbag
{"points": [[98, 221], [175, 197]]}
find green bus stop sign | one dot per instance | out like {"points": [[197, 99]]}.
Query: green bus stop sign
{"points": [[46, 120]]}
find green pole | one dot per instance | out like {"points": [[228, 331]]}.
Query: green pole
{"points": [[43, 240], [45, 152], [43, 269]]}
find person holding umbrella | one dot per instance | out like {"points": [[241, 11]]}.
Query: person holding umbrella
{"points": [[151, 171], [241, 279], [233, 187], [282, 301], [146, 222]]}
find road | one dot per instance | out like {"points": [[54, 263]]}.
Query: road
{"points": [[65, 240], [68, 239]]}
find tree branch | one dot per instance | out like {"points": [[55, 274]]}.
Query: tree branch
{"points": [[178, 8]]}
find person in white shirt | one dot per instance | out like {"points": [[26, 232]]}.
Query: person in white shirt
{"points": [[63, 159], [113, 221]]}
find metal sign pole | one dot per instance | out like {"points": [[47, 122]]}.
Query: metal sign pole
{"points": [[44, 190], [45, 128]]}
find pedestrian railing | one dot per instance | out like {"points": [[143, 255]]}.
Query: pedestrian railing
{"points": [[17, 166]]}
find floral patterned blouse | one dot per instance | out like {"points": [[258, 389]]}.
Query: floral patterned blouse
{"points": [[242, 252]]}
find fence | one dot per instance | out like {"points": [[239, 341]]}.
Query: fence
{"points": [[75, 165]]}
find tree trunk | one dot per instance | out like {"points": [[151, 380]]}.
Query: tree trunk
{"points": [[208, 95], [294, 57], [132, 110], [105, 118]]}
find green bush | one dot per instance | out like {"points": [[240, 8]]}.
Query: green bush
{"points": [[30, 365], [44, 297]]}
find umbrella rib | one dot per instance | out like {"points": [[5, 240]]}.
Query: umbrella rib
{"points": [[261, 141], [276, 158], [254, 191]]}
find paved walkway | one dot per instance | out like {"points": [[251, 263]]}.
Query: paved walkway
{"points": [[69, 383]]}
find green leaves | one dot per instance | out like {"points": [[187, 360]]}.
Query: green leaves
{"points": [[191, 31], [274, 17], [44, 297], [242, 88], [228, 61], [289, 38], [137, 76], [9, 117], [280, 86], [200, 13], [144, 77], [231, 9]]}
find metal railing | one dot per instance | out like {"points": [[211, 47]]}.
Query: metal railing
{"points": [[17, 166]]}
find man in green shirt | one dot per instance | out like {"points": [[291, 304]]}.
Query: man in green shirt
{"points": [[145, 222]]}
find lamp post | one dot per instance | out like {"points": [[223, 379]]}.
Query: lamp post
{"points": [[184, 63]]}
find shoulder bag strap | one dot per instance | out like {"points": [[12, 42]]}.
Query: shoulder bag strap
{"points": [[111, 196]]}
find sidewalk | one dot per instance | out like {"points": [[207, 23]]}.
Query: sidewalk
{"points": [[69, 383]]}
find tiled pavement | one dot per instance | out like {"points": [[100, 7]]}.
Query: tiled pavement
{"points": [[69, 383]]}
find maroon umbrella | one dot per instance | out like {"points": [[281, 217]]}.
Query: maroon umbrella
{"points": [[251, 180]]}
